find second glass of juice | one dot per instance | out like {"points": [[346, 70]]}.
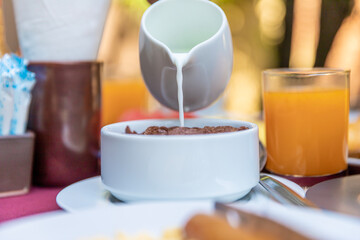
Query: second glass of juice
{"points": [[306, 118]]}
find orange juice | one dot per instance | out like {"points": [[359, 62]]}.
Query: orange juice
{"points": [[119, 96], [306, 131]]}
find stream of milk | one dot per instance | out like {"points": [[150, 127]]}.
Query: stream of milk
{"points": [[179, 60]]}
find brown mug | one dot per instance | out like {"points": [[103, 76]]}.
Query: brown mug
{"points": [[65, 116]]}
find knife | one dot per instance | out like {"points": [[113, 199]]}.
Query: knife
{"points": [[256, 224]]}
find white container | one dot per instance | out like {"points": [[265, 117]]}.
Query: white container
{"points": [[60, 30], [222, 166], [199, 31]]}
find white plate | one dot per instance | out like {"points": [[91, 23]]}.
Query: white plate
{"points": [[154, 218], [132, 219], [90, 193], [347, 190]]}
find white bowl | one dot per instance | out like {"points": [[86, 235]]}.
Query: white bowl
{"points": [[222, 166]]}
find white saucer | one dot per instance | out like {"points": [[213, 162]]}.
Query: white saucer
{"points": [[90, 193]]}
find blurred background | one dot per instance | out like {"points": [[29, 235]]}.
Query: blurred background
{"points": [[266, 34]]}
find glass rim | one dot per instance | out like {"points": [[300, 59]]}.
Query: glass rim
{"points": [[306, 72]]}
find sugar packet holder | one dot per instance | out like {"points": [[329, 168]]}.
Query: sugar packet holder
{"points": [[16, 83]]}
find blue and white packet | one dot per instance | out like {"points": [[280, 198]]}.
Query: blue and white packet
{"points": [[6, 103], [16, 83]]}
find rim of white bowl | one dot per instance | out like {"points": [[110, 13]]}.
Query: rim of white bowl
{"points": [[106, 130]]}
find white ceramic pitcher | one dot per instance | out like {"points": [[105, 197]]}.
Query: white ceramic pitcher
{"points": [[198, 31]]}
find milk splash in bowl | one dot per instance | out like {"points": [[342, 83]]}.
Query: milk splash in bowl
{"points": [[186, 53]]}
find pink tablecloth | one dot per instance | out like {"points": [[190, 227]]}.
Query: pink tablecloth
{"points": [[38, 200]]}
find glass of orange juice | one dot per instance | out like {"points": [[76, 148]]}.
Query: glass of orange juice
{"points": [[120, 96], [306, 120]]}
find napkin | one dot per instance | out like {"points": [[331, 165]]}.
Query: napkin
{"points": [[60, 30]]}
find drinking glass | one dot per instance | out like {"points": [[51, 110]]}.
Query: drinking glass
{"points": [[306, 119]]}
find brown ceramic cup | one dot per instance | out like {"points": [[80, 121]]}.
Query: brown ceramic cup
{"points": [[65, 115]]}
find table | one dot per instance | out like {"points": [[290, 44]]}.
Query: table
{"points": [[43, 199], [38, 200]]}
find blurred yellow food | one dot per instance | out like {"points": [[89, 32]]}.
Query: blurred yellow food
{"points": [[139, 236], [172, 234], [168, 234]]}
